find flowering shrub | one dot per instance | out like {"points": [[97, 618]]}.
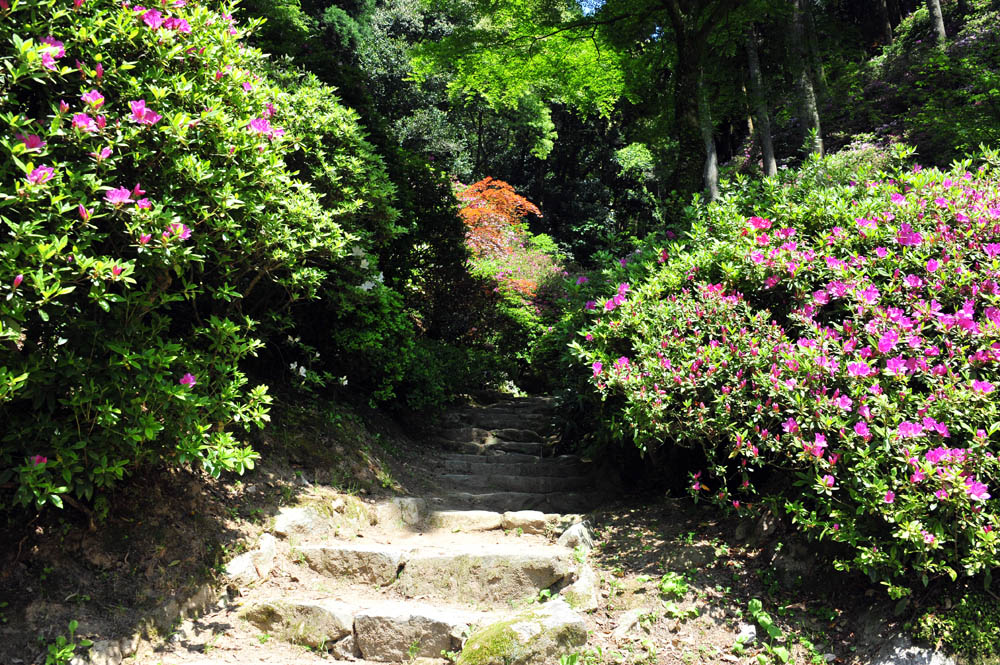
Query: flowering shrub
{"points": [[834, 349], [150, 194]]}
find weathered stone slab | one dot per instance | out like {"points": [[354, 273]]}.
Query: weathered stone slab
{"points": [[317, 624], [397, 633], [528, 521], [578, 535], [355, 562], [487, 575], [465, 520], [584, 594], [536, 636], [255, 565]]}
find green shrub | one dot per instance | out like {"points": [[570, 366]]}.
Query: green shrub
{"points": [[971, 627], [167, 197], [831, 347]]}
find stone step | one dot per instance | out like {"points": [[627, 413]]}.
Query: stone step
{"points": [[535, 448], [501, 457], [374, 629], [490, 465], [479, 435], [492, 574], [498, 419], [557, 502], [516, 483]]}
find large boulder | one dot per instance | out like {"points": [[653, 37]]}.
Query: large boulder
{"points": [[539, 635]]}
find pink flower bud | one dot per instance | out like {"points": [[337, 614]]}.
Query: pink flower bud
{"points": [[18, 280]]}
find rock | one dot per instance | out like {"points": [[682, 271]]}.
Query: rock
{"points": [[493, 574], [103, 652], [626, 623], [902, 651], [312, 623], [538, 635], [295, 520], [346, 649], [578, 535], [528, 521], [766, 526], [129, 645], [251, 566], [397, 633], [793, 564], [747, 634], [402, 511], [371, 564], [466, 520], [584, 594]]}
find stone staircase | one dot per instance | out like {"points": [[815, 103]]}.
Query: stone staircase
{"points": [[489, 567]]}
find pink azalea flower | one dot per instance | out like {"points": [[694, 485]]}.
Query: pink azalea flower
{"points": [[48, 62], [178, 25], [31, 142], [84, 123], [828, 480], [898, 198], [259, 126], [908, 430], [188, 380], [929, 538], [102, 154], [984, 387], [38, 460], [118, 196], [143, 204], [582, 279], [84, 212], [145, 238], [247, 86], [269, 110], [861, 429], [933, 265], [153, 19], [859, 369], [597, 367], [53, 46], [590, 304], [116, 271], [890, 496], [179, 230], [40, 175], [63, 106], [142, 114], [888, 341], [17, 280], [93, 98], [98, 71], [992, 249], [760, 223]]}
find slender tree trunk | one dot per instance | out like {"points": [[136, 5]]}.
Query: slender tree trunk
{"points": [[815, 60], [710, 173], [686, 119], [763, 120], [886, 20], [937, 21], [809, 111]]}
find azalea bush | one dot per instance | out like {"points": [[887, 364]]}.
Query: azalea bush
{"points": [[831, 346], [169, 200]]}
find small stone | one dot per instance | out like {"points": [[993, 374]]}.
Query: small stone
{"points": [[251, 566], [578, 535], [747, 634], [626, 623], [583, 594], [902, 651], [528, 521], [346, 649], [310, 623]]}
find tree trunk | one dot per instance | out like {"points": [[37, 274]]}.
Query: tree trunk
{"points": [[815, 61], [686, 122], [937, 22], [886, 21], [763, 120], [809, 111], [710, 173]]}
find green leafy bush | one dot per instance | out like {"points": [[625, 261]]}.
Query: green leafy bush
{"points": [[167, 197], [831, 347]]}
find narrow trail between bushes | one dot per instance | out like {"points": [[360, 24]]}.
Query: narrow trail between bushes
{"points": [[416, 579]]}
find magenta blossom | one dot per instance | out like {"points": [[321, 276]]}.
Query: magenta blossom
{"points": [[597, 367], [84, 123], [760, 223], [859, 369], [188, 380], [38, 460], [861, 429], [582, 279], [260, 126], [84, 212], [890, 496], [142, 114], [118, 196], [828, 481], [176, 229], [93, 98], [984, 387], [153, 19], [31, 142], [40, 175], [145, 238]]}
